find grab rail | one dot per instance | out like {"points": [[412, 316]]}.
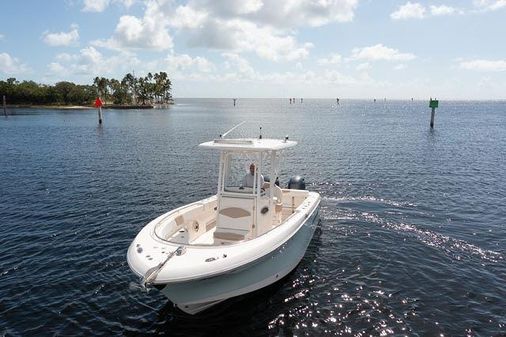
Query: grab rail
{"points": [[152, 273]]}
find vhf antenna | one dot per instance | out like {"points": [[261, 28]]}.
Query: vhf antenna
{"points": [[226, 133]]}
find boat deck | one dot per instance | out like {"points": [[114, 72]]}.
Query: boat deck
{"points": [[182, 237]]}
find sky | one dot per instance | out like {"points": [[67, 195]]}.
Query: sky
{"points": [[449, 49]]}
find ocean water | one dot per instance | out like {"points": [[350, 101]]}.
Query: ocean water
{"points": [[412, 239]]}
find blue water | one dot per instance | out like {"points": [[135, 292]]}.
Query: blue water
{"points": [[412, 239]]}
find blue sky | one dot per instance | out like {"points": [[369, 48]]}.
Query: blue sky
{"points": [[265, 48]]}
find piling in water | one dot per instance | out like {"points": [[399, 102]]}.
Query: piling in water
{"points": [[98, 104], [5, 106], [433, 104]]}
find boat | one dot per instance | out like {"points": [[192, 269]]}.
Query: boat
{"points": [[242, 239]]}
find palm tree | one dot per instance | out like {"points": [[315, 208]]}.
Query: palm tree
{"points": [[101, 84], [131, 83]]}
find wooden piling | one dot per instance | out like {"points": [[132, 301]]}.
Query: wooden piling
{"points": [[235, 100], [5, 106]]}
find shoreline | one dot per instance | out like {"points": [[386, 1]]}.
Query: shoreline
{"points": [[87, 107], [56, 107]]}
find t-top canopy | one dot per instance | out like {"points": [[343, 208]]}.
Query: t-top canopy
{"points": [[248, 144]]}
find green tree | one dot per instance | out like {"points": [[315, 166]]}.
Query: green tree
{"points": [[153, 88], [130, 82], [119, 92], [101, 85]]}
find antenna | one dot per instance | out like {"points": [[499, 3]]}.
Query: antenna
{"points": [[226, 133], [260, 133]]}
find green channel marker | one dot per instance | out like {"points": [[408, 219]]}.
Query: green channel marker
{"points": [[433, 103]]}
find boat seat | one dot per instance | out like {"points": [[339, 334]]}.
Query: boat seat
{"points": [[235, 220], [235, 224], [278, 205], [230, 234]]}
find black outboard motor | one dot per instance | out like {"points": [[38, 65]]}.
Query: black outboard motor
{"points": [[297, 183]]}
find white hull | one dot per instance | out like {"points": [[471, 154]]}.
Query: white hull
{"points": [[195, 296]]}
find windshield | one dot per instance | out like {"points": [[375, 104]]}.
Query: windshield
{"points": [[241, 172]]}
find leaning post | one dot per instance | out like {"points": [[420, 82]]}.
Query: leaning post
{"points": [[433, 104]]}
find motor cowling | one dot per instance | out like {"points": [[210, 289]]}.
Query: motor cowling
{"points": [[297, 183]]}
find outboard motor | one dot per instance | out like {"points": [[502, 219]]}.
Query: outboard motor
{"points": [[297, 183]]}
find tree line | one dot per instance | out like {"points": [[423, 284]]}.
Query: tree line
{"points": [[150, 89]]}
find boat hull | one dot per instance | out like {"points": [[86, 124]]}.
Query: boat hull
{"points": [[197, 295]]}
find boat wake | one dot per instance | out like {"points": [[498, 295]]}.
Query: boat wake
{"points": [[370, 198], [455, 248]]}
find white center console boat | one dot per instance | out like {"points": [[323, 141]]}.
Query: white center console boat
{"points": [[247, 236]]}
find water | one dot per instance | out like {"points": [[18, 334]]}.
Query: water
{"points": [[412, 238]]}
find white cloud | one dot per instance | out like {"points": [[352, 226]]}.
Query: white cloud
{"points": [[145, 33], [95, 5], [331, 59], [363, 66], [263, 27], [56, 68], [443, 10], [409, 11], [243, 36], [64, 57], [418, 11], [101, 5], [237, 63], [490, 4], [236, 69], [2, 37], [11, 65], [308, 77], [181, 67], [484, 65], [229, 8], [400, 67], [62, 38], [187, 17], [90, 62], [380, 52], [250, 6], [281, 14], [150, 32], [185, 62], [295, 13]]}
